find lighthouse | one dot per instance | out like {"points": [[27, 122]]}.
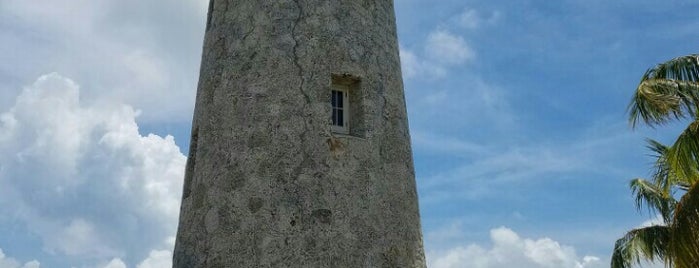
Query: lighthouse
{"points": [[300, 152]]}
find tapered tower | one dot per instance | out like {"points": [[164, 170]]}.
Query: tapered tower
{"points": [[300, 153]]}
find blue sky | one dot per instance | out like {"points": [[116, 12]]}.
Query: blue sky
{"points": [[517, 114]]}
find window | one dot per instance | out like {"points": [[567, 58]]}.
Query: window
{"points": [[339, 101], [347, 103]]}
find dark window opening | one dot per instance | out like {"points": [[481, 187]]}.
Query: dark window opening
{"points": [[338, 108], [347, 105]]}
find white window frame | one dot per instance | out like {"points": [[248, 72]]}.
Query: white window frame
{"points": [[345, 109]]}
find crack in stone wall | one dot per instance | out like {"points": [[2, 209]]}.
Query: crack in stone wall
{"points": [[295, 35]]}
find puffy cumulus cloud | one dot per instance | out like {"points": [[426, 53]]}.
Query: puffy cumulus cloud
{"points": [[80, 176], [31, 264], [414, 66], [7, 262], [510, 250], [115, 263], [145, 53], [157, 259], [409, 63], [441, 50], [447, 48]]}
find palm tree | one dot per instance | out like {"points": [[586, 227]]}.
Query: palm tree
{"points": [[652, 242], [668, 91]]}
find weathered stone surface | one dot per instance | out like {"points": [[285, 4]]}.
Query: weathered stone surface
{"points": [[267, 183]]}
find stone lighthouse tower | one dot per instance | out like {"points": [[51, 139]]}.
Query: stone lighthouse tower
{"points": [[300, 153]]}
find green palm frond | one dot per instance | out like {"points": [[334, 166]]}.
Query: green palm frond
{"points": [[684, 68], [667, 91], [658, 101], [683, 155], [685, 230], [655, 198], [657, 148], [649, 243], [663, 176]]}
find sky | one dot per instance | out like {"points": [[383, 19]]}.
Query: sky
{"points": [[517, 110]]}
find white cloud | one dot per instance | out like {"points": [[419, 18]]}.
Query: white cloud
{"points": [[7, 262], [409, 63], [115, 263], [442, 50], [414, 66], [145, 53], [510, 250], [447, 48], [81, 177], [32, 264], [84, 240], [157, 259]]}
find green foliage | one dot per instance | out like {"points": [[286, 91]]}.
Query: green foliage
{"points": [[685, 230], [667, 91], [649, 243], [654, 197]]}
